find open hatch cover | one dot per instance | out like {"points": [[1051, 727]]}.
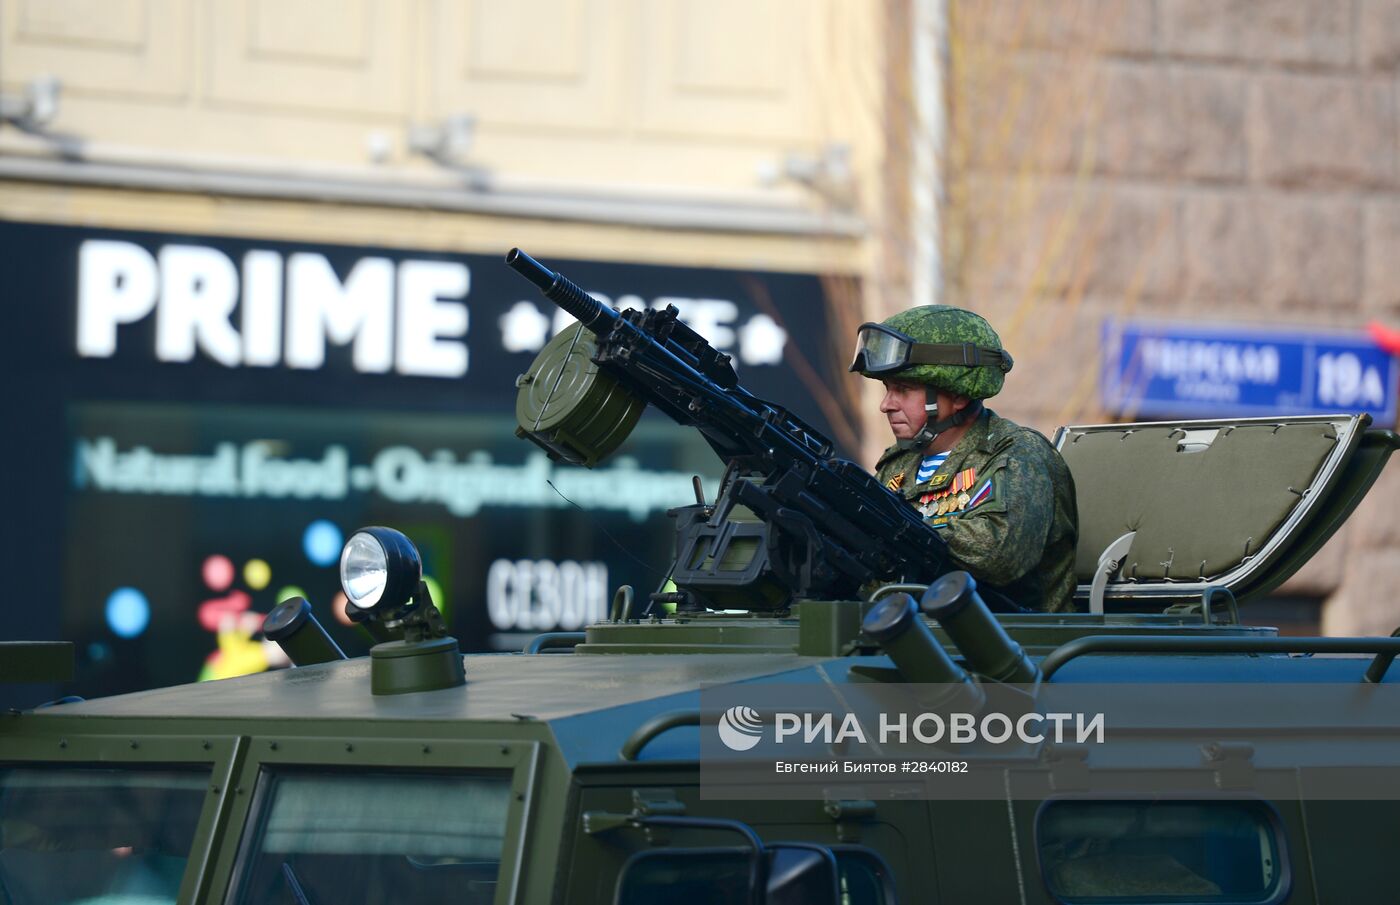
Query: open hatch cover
{"points": [[1234, 503]]}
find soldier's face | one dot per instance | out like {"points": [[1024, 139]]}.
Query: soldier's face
{"points": [[903, 406]]}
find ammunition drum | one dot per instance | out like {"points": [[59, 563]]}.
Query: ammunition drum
{"points": [[569, 406]]}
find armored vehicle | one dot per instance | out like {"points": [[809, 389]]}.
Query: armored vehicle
{"points": [[642, 760]]}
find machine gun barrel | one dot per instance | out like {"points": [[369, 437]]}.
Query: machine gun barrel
{"points": [[560, 290]]}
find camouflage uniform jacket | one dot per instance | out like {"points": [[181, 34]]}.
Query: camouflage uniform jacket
{"points": [[1004, 501]]}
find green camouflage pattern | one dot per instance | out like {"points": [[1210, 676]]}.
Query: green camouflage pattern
{"points": [[946, 324], [1020, 539]]}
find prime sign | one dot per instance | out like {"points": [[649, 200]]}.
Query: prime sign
{"points": [[408, 317]]}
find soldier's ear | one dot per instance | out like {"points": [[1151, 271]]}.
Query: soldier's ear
{"points": [[959, 402]]}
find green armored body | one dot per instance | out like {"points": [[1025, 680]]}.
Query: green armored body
{"points": [[800, 743]]}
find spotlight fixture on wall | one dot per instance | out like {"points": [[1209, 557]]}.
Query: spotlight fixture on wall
{"points": [[36, 107], [827, 173], [447, 142]]}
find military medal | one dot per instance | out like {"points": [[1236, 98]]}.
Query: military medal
{"points": [[963, 499]]}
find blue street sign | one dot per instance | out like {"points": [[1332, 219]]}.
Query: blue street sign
{"points": [[1166, 369]]}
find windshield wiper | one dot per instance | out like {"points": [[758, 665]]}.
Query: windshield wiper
{"points": [[294, 884]]}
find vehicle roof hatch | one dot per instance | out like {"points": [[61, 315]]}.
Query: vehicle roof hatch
{"points": [[1235, 503]]}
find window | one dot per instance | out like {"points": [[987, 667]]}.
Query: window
{"points": [[387, 837], [720, 876], [705, 877], [1161, 851], [96, 835]]}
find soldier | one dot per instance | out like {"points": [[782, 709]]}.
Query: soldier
{"points": [[999, 493]]}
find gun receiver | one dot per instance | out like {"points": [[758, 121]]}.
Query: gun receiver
{"points": [[832, 526]]}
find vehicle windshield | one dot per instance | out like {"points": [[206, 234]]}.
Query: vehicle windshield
{"points": [[96, 836], [325, 838], [1161, 851]]}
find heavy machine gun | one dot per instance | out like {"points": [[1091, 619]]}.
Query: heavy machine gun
{"points": [[821, 526]]}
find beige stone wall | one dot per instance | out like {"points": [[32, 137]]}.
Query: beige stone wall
{"points": [[683, 101], [1221, 160]]}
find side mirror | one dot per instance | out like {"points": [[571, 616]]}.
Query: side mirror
{"points": [[801, 875]]}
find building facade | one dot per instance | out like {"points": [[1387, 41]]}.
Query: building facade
{"points": [[1230, 166]]}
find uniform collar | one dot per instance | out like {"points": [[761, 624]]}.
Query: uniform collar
{"points": [[978, 437], [983, 435]]}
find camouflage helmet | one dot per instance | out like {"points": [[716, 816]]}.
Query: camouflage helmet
{"points": [[947, 348]]}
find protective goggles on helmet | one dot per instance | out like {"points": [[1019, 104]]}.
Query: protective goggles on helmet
{"points": [[881, 350]]}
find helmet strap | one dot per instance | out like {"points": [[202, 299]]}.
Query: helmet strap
{"points": [[932, 429]]}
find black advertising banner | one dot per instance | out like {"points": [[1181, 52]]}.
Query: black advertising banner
{"points": [[199, 422], [150, 315]]}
